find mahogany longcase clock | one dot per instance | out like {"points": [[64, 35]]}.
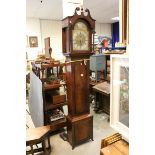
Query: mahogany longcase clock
{"points": [[77, 32]]}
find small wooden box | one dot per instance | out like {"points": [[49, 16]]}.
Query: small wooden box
{"points": [[59, 99]]}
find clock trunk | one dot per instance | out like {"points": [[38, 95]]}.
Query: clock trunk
{"points": [[77, 86]]}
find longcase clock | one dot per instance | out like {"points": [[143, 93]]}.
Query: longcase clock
{"points": [[77, 32]]}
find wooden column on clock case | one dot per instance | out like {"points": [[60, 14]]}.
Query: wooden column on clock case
{"points": [[79, 120]]}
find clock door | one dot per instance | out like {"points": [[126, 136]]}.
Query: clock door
{"points": [[81, 88], [80, 35]]}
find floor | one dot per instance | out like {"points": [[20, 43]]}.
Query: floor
{"points": [[101, 129]]}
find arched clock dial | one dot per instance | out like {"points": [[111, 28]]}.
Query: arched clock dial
{"points": [[80, 37]]}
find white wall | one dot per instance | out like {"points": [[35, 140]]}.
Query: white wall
{"points": [[43, 29], [103, 29], [33, 29], [69, 6], [53, 29]]}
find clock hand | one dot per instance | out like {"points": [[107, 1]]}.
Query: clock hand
{"points": [[80, 42]]}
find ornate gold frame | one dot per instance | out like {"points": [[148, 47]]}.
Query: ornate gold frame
{"points": [[125, 21], [33, 41]]}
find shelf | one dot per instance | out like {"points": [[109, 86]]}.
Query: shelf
{"points": [[56, 125], [54, 100], [50, 65], [114, 52], [51, 106], [51, 86]]}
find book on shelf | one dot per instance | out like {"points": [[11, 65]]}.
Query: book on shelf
{"points": [[56, 115]]}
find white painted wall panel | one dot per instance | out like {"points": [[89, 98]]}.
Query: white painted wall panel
{"points": [[53, 29], [106, 30], [69, 6], [103, 29], [33, 29], [98, 28]]}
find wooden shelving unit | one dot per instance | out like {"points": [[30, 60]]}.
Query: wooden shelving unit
{"points": [[53, 101], [53, 98]]}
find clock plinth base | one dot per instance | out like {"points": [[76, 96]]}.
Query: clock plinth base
{"points": [[79, 129]]}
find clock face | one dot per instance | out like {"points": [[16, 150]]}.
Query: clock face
{"points": [[80, 37]]}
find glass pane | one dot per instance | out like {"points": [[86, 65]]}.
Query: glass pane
{"points": [[124, 95]]}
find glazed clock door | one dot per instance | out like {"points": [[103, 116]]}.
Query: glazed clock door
{"points": [[80, 35], [81, 88]]}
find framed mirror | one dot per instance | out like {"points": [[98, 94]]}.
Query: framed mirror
{"points": [[119, 98]]}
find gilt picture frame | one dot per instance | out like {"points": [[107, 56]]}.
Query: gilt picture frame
{"points": [[33, 41], [125, 21]]}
